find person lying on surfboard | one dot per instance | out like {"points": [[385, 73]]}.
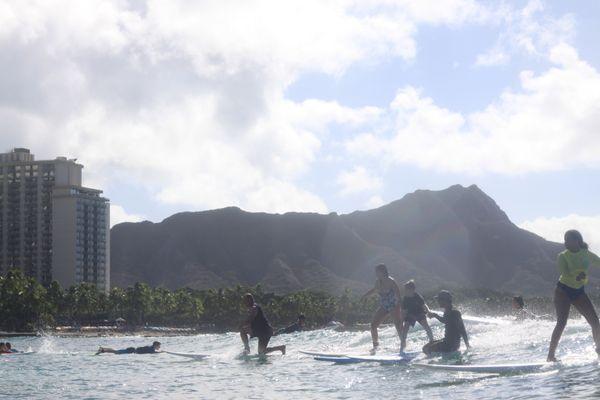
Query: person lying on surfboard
{"points": [[389, 297], [454, 327], [414, 310], [10, 349], [4, 349], [573, 264], [295, 327], [154, 348], [257, 325]]}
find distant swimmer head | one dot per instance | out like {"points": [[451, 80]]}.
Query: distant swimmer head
{"points": [[8, 345], [248, 300], [410, 287], [444, 298], [156, 345], [381, 271], [518, 302], [301, 319], [574, 241]]}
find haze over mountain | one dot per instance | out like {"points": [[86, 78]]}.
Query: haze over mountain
{"points": [[455, 237]]}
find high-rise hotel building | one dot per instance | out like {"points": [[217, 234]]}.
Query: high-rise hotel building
{"points": [[51, 227]]}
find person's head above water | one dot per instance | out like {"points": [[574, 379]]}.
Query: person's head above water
{"points": [[301, 319], [574, 241], [156, 345], [8, 345], [248, 300], [381, 271], [518, 302], [444, 298], [409, 287]]}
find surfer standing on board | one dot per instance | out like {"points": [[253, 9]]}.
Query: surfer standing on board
{"points": [[256, 325], [573, 264], [414, 310], [454, 327], [389, 295]]}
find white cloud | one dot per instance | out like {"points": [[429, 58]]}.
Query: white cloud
{"points": [[358, 180], [528, 30], [187, 98], [550, 124], [374, 202], [554, 228], [494, 56], [119, 215]]}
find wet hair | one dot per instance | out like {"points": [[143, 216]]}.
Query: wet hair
{"points": [[519, 301], [155, 344], [249, 298], [8, 345], [301, 317], [410, 284], [575, 234], [382, 268]]}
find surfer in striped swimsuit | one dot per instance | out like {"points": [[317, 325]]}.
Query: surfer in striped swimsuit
{"points": [[389, 296]]}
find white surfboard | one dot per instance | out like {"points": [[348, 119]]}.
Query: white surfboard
{"points": [[490, 369], [326, 354], [20, 353], [195, 356], [382, 359]]}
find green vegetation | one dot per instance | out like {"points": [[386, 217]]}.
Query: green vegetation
{"points": [[26, 305]]}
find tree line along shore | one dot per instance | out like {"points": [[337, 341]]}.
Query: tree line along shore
{"points": [[28, 306]]}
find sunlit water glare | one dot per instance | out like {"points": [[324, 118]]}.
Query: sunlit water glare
{"points": [[65, 368]]}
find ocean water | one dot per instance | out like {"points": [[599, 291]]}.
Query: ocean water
{"points": [[65, 368]]}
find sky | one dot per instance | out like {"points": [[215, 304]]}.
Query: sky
{"points": [[318, 106]]}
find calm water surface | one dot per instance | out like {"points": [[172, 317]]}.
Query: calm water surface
{"points": [[65, 368]]}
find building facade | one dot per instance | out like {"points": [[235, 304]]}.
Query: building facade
{"points": [[51, 227]]}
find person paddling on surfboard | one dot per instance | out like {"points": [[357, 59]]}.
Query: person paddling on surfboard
{"points": [[414, 310], [3, 349], [154, 348], [389, 296], [573, 264], [257, 325], [297, 326], [10, 349], [454, 327]]}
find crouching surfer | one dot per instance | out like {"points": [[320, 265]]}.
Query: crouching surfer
{"points": [[454, 327], [257, 325]]}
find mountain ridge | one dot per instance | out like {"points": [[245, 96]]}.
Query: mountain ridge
{"points": [[457, 236]]}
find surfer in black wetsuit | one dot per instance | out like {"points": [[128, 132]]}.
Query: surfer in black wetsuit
{"points": [[256, 325], [295, 327], [154, 348], [414, 310], [454, 327]]}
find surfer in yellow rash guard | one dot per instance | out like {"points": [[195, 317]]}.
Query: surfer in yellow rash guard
{"points": [[573, 264]]}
